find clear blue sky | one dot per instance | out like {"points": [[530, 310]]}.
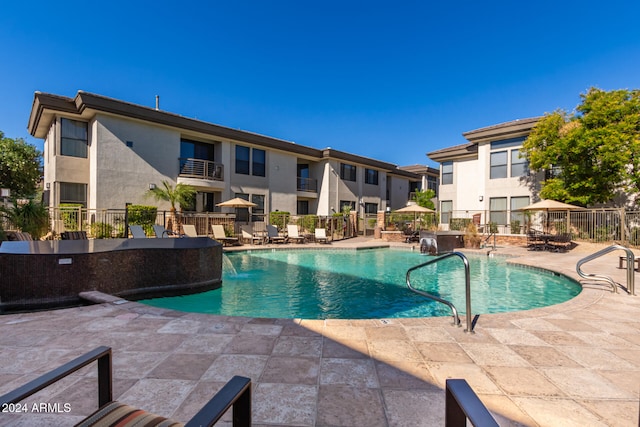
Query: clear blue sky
{"points": [[387, 80]]}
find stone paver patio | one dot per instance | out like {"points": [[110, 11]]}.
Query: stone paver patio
{"points": [[573, 364]]}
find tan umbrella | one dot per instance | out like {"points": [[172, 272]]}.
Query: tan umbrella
{"points": [[549, 206], [237, 203], [415, 209]]}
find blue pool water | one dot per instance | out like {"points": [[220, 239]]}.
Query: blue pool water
{"points": [[368, 284]]}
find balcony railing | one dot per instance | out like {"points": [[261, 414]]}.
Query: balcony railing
{"points": [[307, 184], [203, 169]]}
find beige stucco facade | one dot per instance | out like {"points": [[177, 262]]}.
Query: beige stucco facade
{"points": [[130, 148], [473, 189]]}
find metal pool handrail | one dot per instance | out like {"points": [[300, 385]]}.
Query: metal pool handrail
{"points": [[630, 268], [456, 318]]}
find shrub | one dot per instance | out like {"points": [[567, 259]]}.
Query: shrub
{"points": [[279, 219], [70, 214], [459, 224], [101, 230], [308, 222], [31, 217], [493, 227], [144, 216], [515, 226]]}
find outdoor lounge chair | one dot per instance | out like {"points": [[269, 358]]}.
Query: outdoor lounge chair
{"points": [[321, 235], [189, 230], [220, 236], [137, 232], [19, 236], [162, 232], [73, 235], [236, 393], [561, 242], [248, 236], [273, 236], [293, 234], [535, 242]]}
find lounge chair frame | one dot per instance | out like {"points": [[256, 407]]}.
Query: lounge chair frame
{"points": [[236, 393], [220, 236]]}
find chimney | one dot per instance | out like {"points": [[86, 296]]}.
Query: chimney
{"points": [[157, 102]]}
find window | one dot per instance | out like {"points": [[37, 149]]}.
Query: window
{"points": [[347, 172], [258, 211], [507, 163], [73, 138], [517, 203], [242, 214], [303, 207], [519, 165], [370, 208], [242, 160], [259, 162], [73, 193], [498, 165], [498, 210], [255, 157], [371, 176], [196, 150], [553, 172], [446, 207], [447, 173], [432, 184]]}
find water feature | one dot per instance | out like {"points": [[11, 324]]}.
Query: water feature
{"points": [[227, 266]]}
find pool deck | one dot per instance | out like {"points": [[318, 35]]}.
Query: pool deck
{"points": [[572, 364]]}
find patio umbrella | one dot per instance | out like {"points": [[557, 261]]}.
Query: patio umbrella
{"points": [[549, 206], [237, 203], [415, 209]]}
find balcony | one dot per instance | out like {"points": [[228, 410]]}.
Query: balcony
{"points": [[307, 184], [201, 169]]}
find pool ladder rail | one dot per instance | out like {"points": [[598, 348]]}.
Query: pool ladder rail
{"points": [[599, 277], [456, 318]]}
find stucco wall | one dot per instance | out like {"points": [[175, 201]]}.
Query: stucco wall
{"points": [[123, 173]]}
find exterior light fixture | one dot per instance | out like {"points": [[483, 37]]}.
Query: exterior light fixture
{"points": [[152, 186], [480, 198]]}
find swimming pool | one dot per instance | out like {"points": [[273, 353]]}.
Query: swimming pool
{"points": [[368, 284]]}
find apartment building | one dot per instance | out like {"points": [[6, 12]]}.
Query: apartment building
{"points": [[487, 175], [103, 153]]}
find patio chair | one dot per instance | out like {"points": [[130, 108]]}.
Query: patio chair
{"points": [[162, 232], [535, 242], [189, 230], [220, 236], [248, 235], [293, 234], [137, 232], [321, 235], [73, 235], [561, 242], [236, 393], [273, 236], [19, 236]]}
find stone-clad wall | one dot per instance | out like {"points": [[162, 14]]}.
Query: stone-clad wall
{"points": [[47, 274]]}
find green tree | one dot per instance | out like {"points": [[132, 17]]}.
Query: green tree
{"points": [[31, 217], [20, 168], [181, 195], [592, 155], [424, 198]]}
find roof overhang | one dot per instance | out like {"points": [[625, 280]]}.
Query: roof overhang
{"points": [[513, 129]]}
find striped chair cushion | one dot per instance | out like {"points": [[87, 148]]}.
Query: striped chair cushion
{"points": [[116, 414]]}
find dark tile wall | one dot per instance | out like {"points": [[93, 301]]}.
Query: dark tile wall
{"points": [[47, 277]]}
